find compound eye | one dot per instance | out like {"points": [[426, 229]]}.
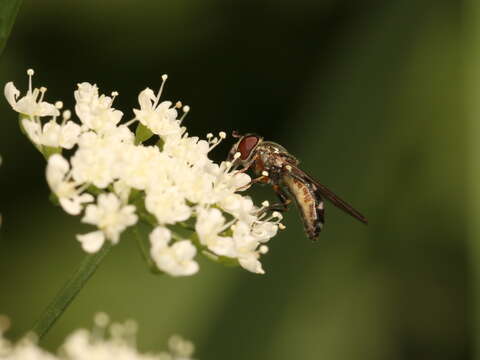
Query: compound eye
{"points": [[246, 146]]}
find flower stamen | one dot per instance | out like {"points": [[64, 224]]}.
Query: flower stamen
{"points": [[30, 73], [185, 109], [43, 90], [159, 94], [214, 141]]}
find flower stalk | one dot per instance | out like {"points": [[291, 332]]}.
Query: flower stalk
{"points": [[70, 290]]}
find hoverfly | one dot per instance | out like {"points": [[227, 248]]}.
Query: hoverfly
{"points": [[272, 164]]}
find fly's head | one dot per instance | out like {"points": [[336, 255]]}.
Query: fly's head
{"points": [[246, 146]]}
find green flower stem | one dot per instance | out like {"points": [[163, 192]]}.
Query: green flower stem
{"points": [[70, 290]]}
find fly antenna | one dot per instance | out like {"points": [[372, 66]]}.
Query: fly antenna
{"points": [[236, 134]]}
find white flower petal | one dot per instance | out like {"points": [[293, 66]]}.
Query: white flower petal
{"points": [[11, 93], [44, 109], [33, 130], [160, 237], [110, 216], [251, 264], [70, 133], [92, 242], [184, 250], [51, 134], [176, 260], [146, 98], [167, 204], [70, 206], [57, 168], [264, 230], [223, 246]]}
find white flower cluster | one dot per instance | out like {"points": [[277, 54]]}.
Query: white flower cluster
{"points": [[116, 179], [106, 341]]}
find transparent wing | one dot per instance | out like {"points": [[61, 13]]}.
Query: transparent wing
{"points": [[326, 193]]}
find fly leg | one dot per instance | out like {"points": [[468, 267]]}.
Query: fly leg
{"points": [[281, 206], [285, 201], [261, 179], [245, 167]]}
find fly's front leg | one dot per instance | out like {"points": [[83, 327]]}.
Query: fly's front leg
{"points": [[245, 167], [261, 179]]}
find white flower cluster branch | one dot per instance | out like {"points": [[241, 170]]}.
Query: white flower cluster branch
{"points": [[106, 341], [115, 179]]}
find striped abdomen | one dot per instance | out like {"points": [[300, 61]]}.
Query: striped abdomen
{"points": [[309, 203]]}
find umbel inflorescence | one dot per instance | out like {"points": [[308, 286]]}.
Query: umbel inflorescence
{"points": [[189, 203]]}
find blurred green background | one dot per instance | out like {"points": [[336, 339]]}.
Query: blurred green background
{"points": [[368, 94]]}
